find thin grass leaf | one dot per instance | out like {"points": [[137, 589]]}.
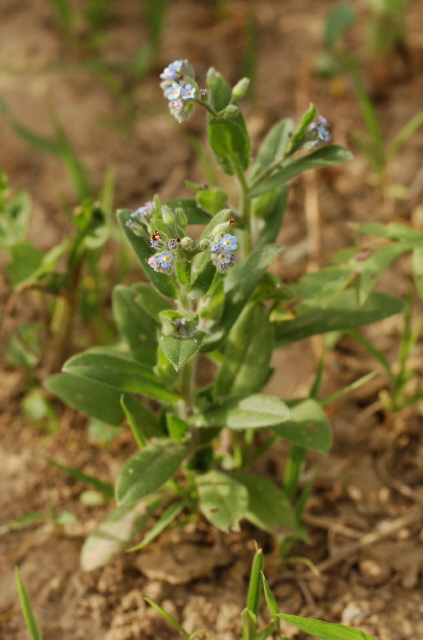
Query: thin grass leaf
{"points": [[404, 134], [169, 618], [265, 632], [105, 487], [21, 523], [136, 430], [378, 355], [314, 393], [351, 387], [35, 139], [372, 123], [254, 587], [77, 171], [165, 519], [272, 605], [108, 191], [249, 624], [27, 609], [326, 630], [302, 560]]}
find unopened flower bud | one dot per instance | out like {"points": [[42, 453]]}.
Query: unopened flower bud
{"points": [[180, 218], [167, 215], [187, 243], [204, 244], [230, 111], [241, 88]]}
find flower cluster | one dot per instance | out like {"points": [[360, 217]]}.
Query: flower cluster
{"points": [[222, 250], [138, 220], [163, 262], [318, 131], [180, 89]]}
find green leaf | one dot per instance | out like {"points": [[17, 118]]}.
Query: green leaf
{"points": [[28, 614], [229, 144], [104, 487], [371, 269], [137, 432], [268, 506], [220, 93], [239, 284], [149, 469], [119, 372], [211, 306], [219, 218], [179, 350], [23, 522], [338, 21], [169, 618], [96, 399], [211, 200], [417, 267], [392, 231], [249, 624], [15, 214], [254, 586], [325, 630], [191, 209], [222, 499], [25, 261], [177, 427], [273, 146], [255, 411], [161, 281], [150, 300], [136, 327], [203, 272], [307, 427], [272, 605], [324, 157], [321, 287], [120, 526], [247, 355], [160, 525], [344, 313], [269, 224]]}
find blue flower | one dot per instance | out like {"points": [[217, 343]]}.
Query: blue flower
{"points": [[154, 243], [146, 210], [165, 260], [172, 243], [187, 91], [224, 257], [319, 130], [174, 91], [229, 242], [215, 246]]}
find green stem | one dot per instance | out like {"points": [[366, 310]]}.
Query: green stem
{"points": [[62, 323], [293, 470], [244, 206], [208, 108], [270, 169]]}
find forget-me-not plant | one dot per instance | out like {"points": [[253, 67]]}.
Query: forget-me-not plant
{"points": [[198, 333]]}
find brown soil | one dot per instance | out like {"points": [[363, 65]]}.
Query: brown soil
{"points": [[371, 481]]}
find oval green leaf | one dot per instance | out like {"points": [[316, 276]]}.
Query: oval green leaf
{"points": [[149, 469], [222, 499]]}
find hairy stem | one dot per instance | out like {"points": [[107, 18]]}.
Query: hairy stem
{"points": [[244, 206]]}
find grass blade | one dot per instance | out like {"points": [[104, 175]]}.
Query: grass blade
{"points": [[169, 618], [27, 609]]}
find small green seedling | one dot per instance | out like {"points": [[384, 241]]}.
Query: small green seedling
{"points": [[258, 587]]}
